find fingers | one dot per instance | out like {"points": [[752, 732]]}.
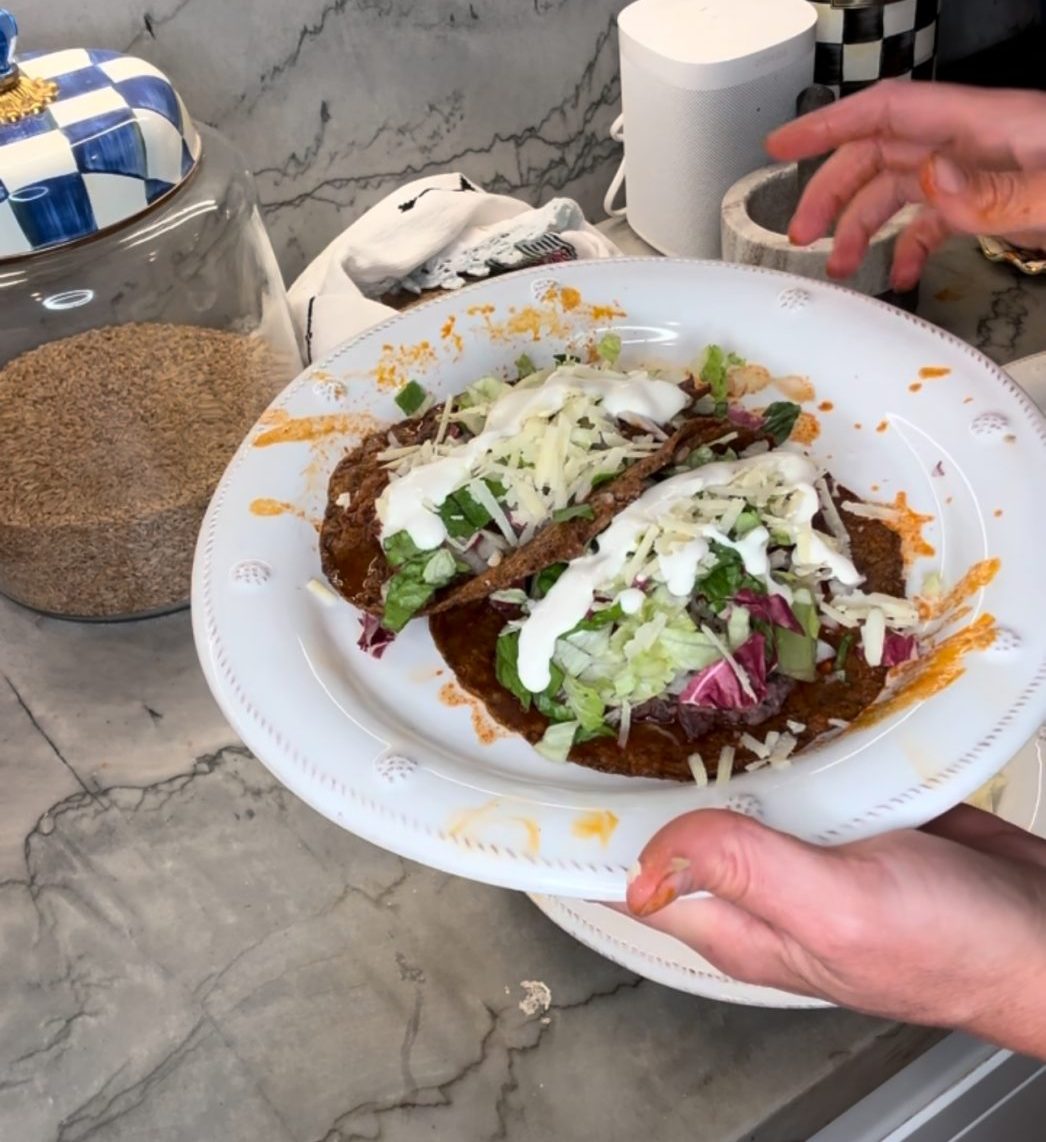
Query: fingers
{"points": [[985, 202], [842, 176], [987, 833], [771, 876], [872, 206], [933, 114], [927, 231], [737, 943]]}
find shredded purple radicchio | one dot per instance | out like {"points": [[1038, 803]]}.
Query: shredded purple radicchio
{"points": [[770, 608], [374, 639]]}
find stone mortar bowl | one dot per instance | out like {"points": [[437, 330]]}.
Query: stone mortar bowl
{"points": [[755, 215]]}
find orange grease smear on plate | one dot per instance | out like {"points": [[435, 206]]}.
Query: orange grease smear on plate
{"points": [[548, 319], [807, 428], [798, 389], [303, 429], [909, 524], [398, 362], [977, 578], [271, 507], [932, 673], [449, 333], [467, 820], [933, 372], [485, 729], [599, 825], [267, 507]]}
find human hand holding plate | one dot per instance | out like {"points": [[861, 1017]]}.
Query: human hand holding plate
{"points": [[941, 926]]}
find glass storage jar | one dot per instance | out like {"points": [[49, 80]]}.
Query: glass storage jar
{"points": [[144, 327]]}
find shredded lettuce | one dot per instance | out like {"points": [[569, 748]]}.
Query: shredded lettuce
{"points": [[487, 390], [796, 654], [602, 618], [575, 511], [419, 574], [411, 397], [400, 549], [544, 580], [525, 366], [463, 515], [713, 373], [585, 703], [440, 568], [728, 576], [506, 667], [699, 457], [558, 738], [609, 348], [779, 420]]}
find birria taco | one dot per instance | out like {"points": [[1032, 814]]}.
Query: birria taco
{"points": [[488, 488], [734, 611]]}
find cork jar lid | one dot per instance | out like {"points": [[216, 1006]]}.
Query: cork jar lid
{"points": [[88, 140]]}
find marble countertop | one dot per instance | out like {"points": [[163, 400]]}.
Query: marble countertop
{"points": [[188, 953]]}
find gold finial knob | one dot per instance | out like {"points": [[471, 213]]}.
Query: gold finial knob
{"points": [[20, 95]]}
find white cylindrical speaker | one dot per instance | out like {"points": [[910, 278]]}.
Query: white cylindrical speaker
{"points": [[702, 83]]}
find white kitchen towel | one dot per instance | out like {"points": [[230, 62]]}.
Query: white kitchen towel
{"points": [[427, 235]]}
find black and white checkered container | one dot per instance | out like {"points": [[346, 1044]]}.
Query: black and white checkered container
{"points": [[109, 137], [860, 42]]}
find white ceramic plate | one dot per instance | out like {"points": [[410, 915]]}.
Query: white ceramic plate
{"points": [[391, 751]]}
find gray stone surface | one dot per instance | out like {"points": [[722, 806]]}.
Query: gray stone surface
{"points": [[188, 953]]}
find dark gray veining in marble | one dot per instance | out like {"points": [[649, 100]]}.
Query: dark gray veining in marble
{"points": [[203, 957]]}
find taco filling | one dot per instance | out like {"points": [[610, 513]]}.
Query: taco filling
{"points": [[458, 494], [724, 618]]}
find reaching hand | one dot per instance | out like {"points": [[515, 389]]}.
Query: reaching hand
{"points": [[975, 158], [944, 926]]}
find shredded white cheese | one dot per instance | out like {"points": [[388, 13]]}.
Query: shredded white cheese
{"points": [[782, 751], [832, 516], [697, 768], [444, 420], [869, 511], [625, 725], [726, 765], [754, 745], [873, 637], [321, 591]]}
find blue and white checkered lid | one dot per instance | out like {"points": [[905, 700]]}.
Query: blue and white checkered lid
{"points": [[88, 139]]}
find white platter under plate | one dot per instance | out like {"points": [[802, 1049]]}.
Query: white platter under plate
{"points": [[391, 750]]}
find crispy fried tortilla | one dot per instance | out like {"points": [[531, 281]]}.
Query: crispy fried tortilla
{"points": [[467, 638]]}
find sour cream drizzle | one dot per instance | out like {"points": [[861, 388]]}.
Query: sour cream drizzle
{"points": [[411, 502], [571, 597]]}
